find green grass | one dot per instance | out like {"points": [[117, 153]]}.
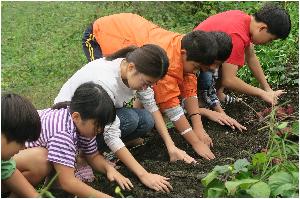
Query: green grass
{"points": [[41, 41]]}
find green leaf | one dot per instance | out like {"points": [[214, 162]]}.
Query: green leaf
{"points": [[241, 165], [232, 186], [259, 190], [210, 177], [282, 125], [295, 127], [215, 193], [259, 158], [222, 169], [282, 183]]}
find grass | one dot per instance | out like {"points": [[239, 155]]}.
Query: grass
{"points": [[41, 41]]}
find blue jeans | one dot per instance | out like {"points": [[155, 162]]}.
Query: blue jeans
{"points": [[134, 123], [206, 88]]}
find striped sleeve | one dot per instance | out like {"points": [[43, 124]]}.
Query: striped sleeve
{"points": [[88, 145], [147, 98], [61, 149]]}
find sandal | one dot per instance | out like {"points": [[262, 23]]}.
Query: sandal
{"points": [[230, 99]]}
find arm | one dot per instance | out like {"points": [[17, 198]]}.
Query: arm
{"points": [[231, 81], [182, 125], [19, 185], [174, 152], [98, 163], [71, 184], [147, 99], [256, 68], [153, 181]]}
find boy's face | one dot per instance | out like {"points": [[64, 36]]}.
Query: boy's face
{"points": [[9, 149], [194, 67], [262, 36]]}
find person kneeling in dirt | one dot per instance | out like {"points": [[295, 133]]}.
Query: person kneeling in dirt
{"points": [[66, 128], [207, 96], [268, 24], [20, 122]]}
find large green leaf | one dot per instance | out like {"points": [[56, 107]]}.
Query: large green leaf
{"points": [[232, 186], [259, 190], [283, 184], [210, 177], [216, 192]]}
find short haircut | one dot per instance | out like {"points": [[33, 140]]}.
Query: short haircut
{"points": [[224, 45], [276, 18], [200, 46], [20, 120]]}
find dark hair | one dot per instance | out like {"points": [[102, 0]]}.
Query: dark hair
{"points": [[20, 120], [224, 45], [92, 102], [276, 18], [200, 46], [149, 59]]}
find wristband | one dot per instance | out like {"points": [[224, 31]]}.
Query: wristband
{"points": [[186, 131], [191, 115]]}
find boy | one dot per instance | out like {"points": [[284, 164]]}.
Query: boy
{"points": [[187, 54], [266, 25], [20, 122]]}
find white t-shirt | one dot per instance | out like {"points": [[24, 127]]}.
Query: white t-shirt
{"points": [[108, 75]]}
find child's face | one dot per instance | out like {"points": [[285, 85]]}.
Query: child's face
{"points": [[140, 81], [9, 149], [86, 128], [262, 36], [194, 67]]}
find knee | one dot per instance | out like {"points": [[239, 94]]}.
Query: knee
{"points": [[129, 120], [205, 80], [147, 120]]}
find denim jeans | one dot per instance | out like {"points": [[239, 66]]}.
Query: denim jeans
{"points": [[206, 88], [134, 123]]}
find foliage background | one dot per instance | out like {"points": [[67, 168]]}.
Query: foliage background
{"points": [[41, 41]]}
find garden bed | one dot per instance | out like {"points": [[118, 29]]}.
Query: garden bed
{"points": [[229, 145]]}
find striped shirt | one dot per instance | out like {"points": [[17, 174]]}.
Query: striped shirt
{"points": [[60, 137]]}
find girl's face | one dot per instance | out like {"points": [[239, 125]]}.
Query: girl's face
{"points": [[86, 128], [139, 81], [9, 149]]}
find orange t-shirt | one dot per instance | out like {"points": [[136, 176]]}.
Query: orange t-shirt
{"points": [[121, 30]]}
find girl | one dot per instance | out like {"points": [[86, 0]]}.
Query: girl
{"points": [[65, 129], [126, 73]]}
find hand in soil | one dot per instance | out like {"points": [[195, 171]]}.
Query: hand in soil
{"points": [[156, 182], [114, 175], [204, 137], [224, 119], [178, 154], [203, 150], [272, 96]]}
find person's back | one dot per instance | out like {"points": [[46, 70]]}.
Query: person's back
{"points": [[117, 31], [237, 25]]}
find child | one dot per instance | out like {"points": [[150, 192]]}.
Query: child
{"points": [[67, 127], [20, 122], [266, 25], [187, 54], [206, 91], [126, 73]]}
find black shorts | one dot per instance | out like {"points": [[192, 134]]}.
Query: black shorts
{"points": [[91, 48]]}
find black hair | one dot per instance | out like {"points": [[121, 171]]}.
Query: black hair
{"points": [[91, 101], [149, 59], [200, 47], [277, 19], [20, 120], [224, 45]]}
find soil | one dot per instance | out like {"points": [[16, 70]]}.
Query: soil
{"points": [[229, 145]]}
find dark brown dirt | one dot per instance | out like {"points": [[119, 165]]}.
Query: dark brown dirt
{"points": [[229, 145]]}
